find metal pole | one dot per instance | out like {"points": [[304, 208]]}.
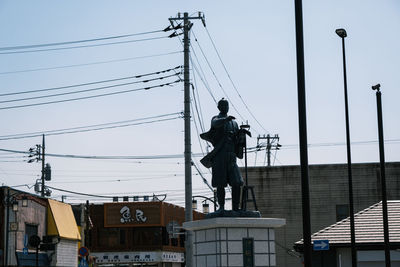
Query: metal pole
{"points": [[7, 227], [43, 161], [383, 176], [188, 160], [349, 170], [268, 150], [301, 95]]}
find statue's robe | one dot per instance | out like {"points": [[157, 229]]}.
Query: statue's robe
{"points": [[224, 136]]}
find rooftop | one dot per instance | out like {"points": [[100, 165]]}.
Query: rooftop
{"points": [[368, 227]]}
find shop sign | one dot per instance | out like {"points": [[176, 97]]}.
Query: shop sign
{"points": [[129, 257], [172, 257], [132, 214]]}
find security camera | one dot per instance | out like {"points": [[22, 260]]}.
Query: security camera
{"points": [[376, 87]]}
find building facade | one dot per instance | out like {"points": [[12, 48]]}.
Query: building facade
{"points": [[26, 217], [278, 195], [136, 233], [23, 215]]}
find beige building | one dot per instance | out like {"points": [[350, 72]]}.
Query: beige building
{"points": [[278, 194]]}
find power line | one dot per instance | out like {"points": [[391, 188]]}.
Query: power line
{"points": [[88, 90], [203, 79], [170, 156], [77, 41], [90, 63], [216, 78], [89, 83], [83, 46], [93, 96], [82, 129], [234, 86]]}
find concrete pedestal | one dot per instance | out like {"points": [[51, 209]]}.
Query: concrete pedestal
{"points": [[234, 242]]}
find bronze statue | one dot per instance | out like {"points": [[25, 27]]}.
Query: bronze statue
{"points": [[228, 141]]}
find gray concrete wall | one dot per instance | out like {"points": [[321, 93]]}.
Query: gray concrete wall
{"points": [[278, 194]]}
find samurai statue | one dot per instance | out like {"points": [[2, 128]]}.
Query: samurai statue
{"points": [[228, 142]]}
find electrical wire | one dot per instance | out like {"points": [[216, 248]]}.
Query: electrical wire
{"points": [[89, 83], [88, 90], [47, 132], [71, 131], [90, 63], [77, 41], [82, 46], [197, 110], [169, 156], [233, 84], [205, 83], [196, 97], [202, 78], [216, 78], [93, 96]]}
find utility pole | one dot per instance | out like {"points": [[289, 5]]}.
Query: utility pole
{"points": [[272, 144], [186, 115], [38, 154]]}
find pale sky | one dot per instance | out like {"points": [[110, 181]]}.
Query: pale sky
{"points": [[256, 41]]}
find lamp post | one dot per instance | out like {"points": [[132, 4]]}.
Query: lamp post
{"points": [[342, 34], [383, 176]]}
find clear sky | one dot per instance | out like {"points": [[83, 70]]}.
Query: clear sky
{"points": [[256, 41]]}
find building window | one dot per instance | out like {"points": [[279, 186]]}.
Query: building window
{"points": [[30, 230], [342, 212]]}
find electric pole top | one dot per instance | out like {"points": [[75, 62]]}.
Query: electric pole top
{"points": [[200, 15]]}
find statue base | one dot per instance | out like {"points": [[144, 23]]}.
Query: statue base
{"points": [[233, 242], [234, 214]]}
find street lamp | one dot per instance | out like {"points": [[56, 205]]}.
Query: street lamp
{"points": [[206, 208], [24, 201], [194, 204], [342, 34], [14, 205], [383, 176]]}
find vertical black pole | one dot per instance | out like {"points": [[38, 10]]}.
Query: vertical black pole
{"points": [[301, 95], [268, 150], [7, 204], [349, 170], [43, 164], [383, 176], [37, 256]]}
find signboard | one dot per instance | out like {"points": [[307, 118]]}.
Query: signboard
{"points": [[248, 252], [83, 263], [83, 251], [135, 257], [132, 214], [13, 226], [321, 245]]}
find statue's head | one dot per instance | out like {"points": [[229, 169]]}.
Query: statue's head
{"points": [[223, 105]]}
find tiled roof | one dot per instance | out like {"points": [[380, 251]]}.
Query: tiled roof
{"points": [[368, 226]]}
